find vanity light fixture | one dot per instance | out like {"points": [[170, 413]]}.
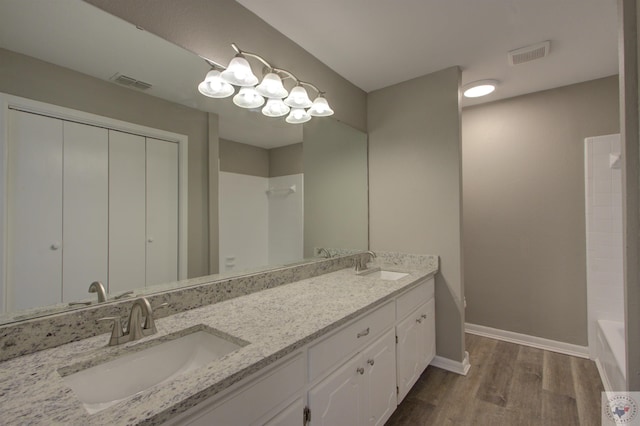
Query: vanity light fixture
{"points": [[214, 86], [479, 88], [219, 83]]}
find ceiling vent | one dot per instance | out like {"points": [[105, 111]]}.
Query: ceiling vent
{"points": [[130, 81], [529, 53]]}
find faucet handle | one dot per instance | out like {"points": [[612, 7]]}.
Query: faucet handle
{"points": [[123, 295], [116, 332]]}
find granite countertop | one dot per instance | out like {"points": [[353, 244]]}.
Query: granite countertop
{"points": [[275, 322]]}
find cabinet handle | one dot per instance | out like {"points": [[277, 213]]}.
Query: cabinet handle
{"points": [[360, 370], [424, 316], [418, 320], [371, 361], [363, 333]]}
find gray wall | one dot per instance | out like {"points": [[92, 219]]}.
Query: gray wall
{"points": [[251, 160], [286, 160], [415, 186], [208, 27], [244, 159], [34, 79], [524, 208], [335, 186]]}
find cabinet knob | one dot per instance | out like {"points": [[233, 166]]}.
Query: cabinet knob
{"points": [[371, 361], [418, 320], [150, 239], [360, 370], [424, 316], [55, 245], [363, 333]]}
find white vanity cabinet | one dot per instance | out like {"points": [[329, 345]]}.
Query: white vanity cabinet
{"points": [[270, 398], [416, 335], [362, 390]]}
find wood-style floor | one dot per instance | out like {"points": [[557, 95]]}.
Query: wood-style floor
{"points": [[508, 385]]}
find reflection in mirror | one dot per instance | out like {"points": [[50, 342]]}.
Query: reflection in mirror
{"points": [[59, 62]]}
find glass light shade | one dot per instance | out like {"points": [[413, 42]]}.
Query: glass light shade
{"points": [[298, 98], [320, 107], [247, 97], [271, 87], [275, 108], [298, 116], [214, 87], [239, 73], [479, 88]]}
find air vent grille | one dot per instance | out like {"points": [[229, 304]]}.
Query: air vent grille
{"points": [[130, 81], [529, 53]]}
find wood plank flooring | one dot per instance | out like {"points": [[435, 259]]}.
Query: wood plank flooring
{"points": [[507, 385]]}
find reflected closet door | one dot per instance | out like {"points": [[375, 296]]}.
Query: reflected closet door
{"points": [[127, 219], [162, 211], [85, 209], [34, 255]]}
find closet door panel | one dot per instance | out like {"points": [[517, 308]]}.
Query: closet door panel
{"points": [[162, 211], [126, 211], [85, 209], [34, 211]]}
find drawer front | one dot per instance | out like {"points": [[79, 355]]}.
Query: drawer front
{"points": [[329, 352], [413, 298]]}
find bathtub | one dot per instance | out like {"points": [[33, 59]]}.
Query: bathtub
{"points": [[611, 355]]}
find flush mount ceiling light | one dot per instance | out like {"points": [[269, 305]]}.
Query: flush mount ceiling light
{"points": [[279, 101], [479, 88]]}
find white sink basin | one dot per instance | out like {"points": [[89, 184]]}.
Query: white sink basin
{"points": [[106, 384], [383, 275]]}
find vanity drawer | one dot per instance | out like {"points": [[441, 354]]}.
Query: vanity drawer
{"points": [[328, 353], [410, 300]]}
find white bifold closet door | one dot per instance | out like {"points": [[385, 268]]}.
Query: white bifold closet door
{"points": [[85, 209], [34, 211], [162, 211], [127, 211]]}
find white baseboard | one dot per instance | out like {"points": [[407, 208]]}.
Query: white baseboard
{"points": [[603, 376], [451, 365], [526, 340]]}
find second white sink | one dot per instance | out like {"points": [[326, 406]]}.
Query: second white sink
{"points": [[108, 383], [383, 275]]}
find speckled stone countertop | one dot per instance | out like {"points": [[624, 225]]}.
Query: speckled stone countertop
{"points": [[275, 322]]}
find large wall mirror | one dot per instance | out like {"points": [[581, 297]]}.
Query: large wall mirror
{"points": [[251, 192]]}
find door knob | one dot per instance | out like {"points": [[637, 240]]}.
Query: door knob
{"points": [[55, 245]]}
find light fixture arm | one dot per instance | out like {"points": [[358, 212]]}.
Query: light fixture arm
{"points": [[289, 74]]}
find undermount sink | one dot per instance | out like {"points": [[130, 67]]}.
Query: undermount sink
{"points": [[106, 384], [382, 274]]}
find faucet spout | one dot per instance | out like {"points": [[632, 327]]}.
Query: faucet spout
{"points": [[97, 287], [141, 307]]}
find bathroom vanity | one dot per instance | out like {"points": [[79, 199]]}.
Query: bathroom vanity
{"points": [[334, 346]]}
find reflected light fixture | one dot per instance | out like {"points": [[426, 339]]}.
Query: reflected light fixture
{"points": [[214, 86], [298, 116], [275, 108], [320, 107], [279, 101], [479, 88], [248, 97]]}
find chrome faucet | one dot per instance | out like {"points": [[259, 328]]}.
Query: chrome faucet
{"points": [[97, 287], [135, 328], [361, 261]]}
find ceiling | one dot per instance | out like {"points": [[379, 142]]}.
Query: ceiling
{"points": [[378, 43]]}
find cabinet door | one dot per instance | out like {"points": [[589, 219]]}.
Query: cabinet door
{"points": [[290, 416], [85, 207], [380, 373], [409, 352], [338, 399], [429, 333], [127, 216], [162, 212], [34, 211]]}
